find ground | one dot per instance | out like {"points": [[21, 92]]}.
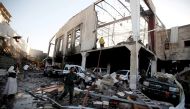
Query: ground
{"points": [[22, 100], [35, 80]]}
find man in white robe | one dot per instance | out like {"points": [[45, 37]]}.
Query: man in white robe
{"points": [[11, 85]]}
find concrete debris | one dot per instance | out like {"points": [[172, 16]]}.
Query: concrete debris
{"points": [[50, 88], [101, 104], [124, 106], [113, 75], [106, 92], [107, 81], [87, 78], [77, 91], [129, 92], [122, 94], [97, 103], [164, 77], [105, 103], [48, 106], [97, 83]]}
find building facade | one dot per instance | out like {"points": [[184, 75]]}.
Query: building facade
{"points": [[11, 44], [77, 41], [173, 49], [174, 43]]}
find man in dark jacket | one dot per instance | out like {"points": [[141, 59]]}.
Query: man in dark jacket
{"points": [[69, 80]]}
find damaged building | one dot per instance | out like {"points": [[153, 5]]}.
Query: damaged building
{"points": [[128, 31], [12, 47], [136, 42], [133, 41], [172, 48]]}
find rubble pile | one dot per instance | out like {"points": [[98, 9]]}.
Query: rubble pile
{"points": [[108, 92], [44, 91], [35, 80]]}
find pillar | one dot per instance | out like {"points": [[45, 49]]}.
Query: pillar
{"points": [[134, 66], [151, 35], [63, 62], [135, 18], [153, 67], [84, 55], [108, 68]]}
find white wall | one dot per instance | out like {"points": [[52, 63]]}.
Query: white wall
{"points": [[88, 19]]}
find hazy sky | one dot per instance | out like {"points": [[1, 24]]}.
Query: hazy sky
{"points": [[41, 19]]}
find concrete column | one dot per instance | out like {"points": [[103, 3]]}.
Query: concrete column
{"points": [[153, 67], [108, 68], [135, 18], [134, 66], [63, 62], [84, 55]]}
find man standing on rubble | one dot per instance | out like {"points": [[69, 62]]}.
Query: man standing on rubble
{"points": [[102, 42], [25, 68], [69, 80]]}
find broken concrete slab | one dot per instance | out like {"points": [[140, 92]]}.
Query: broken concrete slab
{"points": [[122, 94], [50, 88]]}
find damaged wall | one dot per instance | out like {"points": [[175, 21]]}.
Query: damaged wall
{"points": [[86, 21], [178, 50], [11, 44]]}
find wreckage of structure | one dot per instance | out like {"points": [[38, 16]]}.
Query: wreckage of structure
{"points": [[13, 48], [128, 28], [128, 31]]}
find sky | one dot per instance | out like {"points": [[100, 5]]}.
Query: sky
{"points": [[41, 19]]}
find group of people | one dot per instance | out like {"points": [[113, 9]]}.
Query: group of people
{"points": [[11, 86]]}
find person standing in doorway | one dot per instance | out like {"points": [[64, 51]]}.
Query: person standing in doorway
{"points": [[69, 80], [102, 42]]}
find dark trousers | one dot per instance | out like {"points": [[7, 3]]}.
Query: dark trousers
{"points": [[25, 74], [101, 45], [68, 89]]}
